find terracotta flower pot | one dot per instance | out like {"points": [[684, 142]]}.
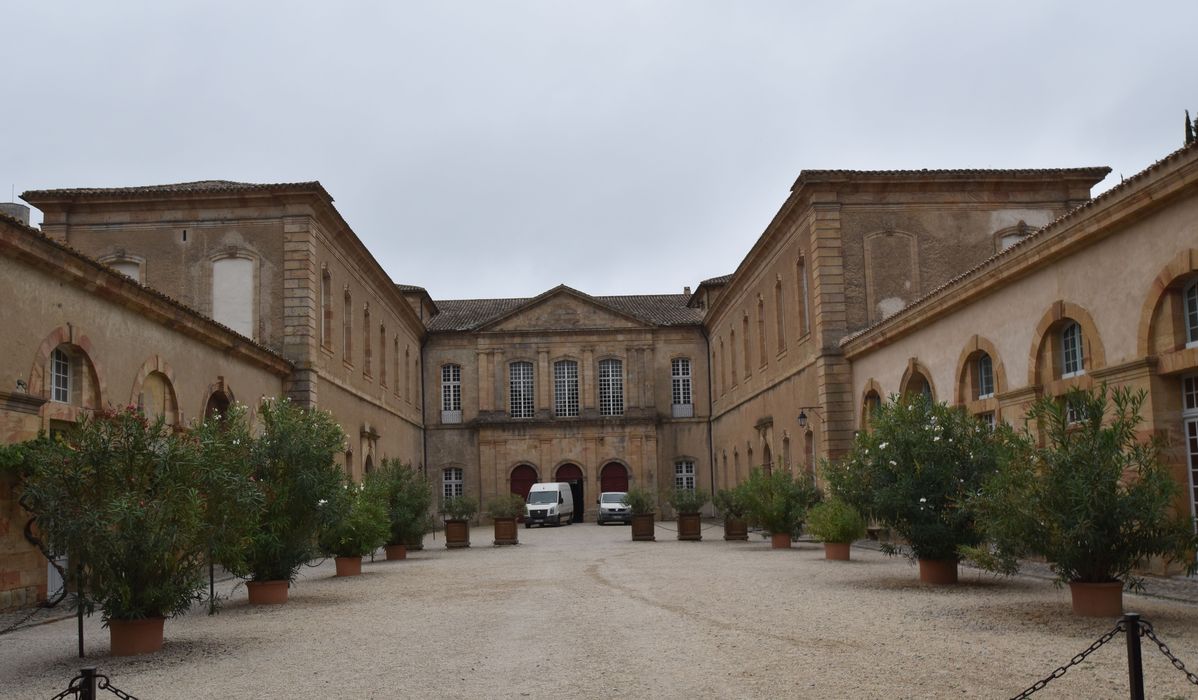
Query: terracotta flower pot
{"points": [[780, 540], [1097, 599], [396, 551], [506, 531], [642, 527], [736, 529], [837, 551], [457, 534], [690, 527], [348, 566], [938, 571], [267, 592], [132, 637]]}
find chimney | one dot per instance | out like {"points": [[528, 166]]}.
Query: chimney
{"points": [[686, 291], [20, 212]]}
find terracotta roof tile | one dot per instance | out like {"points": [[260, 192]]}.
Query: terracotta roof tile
{"points": [[949, 174], [199, 187]]}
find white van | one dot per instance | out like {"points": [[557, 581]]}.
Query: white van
{"points": [[549, 503]]}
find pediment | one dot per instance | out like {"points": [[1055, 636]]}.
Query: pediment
{"points": [[563, 309]]}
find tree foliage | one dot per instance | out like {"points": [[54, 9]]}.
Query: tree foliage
{"points": [[778, 501], [408, 498]]}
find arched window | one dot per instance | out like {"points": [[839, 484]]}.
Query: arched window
{"points": [[786, 453], [366, 340], [869, 409], [680, 387], [744, 328], [233, 294], [395, 355], [383, 355], [407, 375], [778, 315], [761, 330], [451, 394], [684, 474], [347, 329], [801, 289], [565, 388], [452, 483], [157, 398], [611, 388], [984, 368], [128, 268], [723, 370], [1072, 358], [1191, 312], [520, 390], [61, 376], [326, 309]]}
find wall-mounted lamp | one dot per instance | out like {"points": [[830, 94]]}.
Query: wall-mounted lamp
{"points": [[803, 415], [22, 386]]}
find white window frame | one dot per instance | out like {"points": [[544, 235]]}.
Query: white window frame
{"points": [[681, 387], [1073, 361], [453, 483], [60, 376], [611, 387], [451, 393], [987, 419], [521, 390], [565, 389], [684, 474], [1190, 312], [1189, 426], [985, 369]]}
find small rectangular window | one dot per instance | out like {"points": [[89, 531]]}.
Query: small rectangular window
{"points": [[451, 394], [1191, 312], [684, 474], [452, 484], [1072, 362], [60, 377], [985, 368]]}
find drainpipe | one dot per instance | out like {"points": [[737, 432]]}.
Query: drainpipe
{"points": [[710, 414]]}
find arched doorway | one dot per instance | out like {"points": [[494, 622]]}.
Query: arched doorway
{"points": [[217, 405], [572, 475], [613, 477], [522, 479]]}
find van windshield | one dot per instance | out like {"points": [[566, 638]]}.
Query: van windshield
{"points": [[613, 497], [542, 497]]}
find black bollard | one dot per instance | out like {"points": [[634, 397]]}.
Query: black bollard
{"points": [[1135, 666], [87, 684]]}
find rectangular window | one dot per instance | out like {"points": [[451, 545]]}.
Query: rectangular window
{"points": [[1189, 392], [684, 474], [451, 394], [60, 377], [565, 388], [1191, 311], [520, 388], [452, 483], [680, 380], [985, 369], [987, 419], [611, 388], [1072, 363]]}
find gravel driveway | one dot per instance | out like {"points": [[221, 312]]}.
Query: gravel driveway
{"points": [[581, 612]]}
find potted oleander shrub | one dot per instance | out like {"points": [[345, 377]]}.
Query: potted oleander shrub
{"points": [[686, 504], [733, 505], [295, 468], [355, 524], [643, 504], [457, 512], [1091, 496], [778, 503], [408, 498], [837, 525], [123, 498], [916, 471], [504, 511]]}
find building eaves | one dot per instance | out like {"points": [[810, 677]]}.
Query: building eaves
{"points": [[941, 175], [1031, 239], [197, 187]]}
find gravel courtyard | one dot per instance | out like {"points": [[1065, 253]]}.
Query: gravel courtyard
{"points": [[581, 611]]}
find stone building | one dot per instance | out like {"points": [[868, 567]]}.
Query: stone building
{"points": [[982, 288]]}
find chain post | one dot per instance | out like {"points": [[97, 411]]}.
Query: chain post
{"points": [[79, 605], [1135, 663], [87, 683]]}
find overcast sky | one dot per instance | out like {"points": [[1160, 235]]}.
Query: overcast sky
{"points": [[492, 149]]}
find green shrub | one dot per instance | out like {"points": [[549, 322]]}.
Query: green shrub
{"points": [[778, 501], [125, 500], [1093, 500], [687, 501], [408, 498], [294, 467], [459, 508], [733, 503], [356, 522], [835, 521], [641, 501], [916, 471], [506, 506]]}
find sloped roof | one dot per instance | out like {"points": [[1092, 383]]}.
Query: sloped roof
{"points": [[653, 309], [197, 187], [1031, 239]]}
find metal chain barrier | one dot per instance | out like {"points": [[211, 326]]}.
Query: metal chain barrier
{"points": [[85, 685], [1147, 631], [1039, 685]]}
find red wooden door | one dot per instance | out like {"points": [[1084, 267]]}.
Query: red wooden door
{"points": [[614, 477], [523, 477]]}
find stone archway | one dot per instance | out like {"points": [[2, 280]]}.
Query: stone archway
{"points": [[572, 474], [613, 477], [522, 478]]}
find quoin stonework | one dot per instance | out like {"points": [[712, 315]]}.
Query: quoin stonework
{"points": [[983, 288]]}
